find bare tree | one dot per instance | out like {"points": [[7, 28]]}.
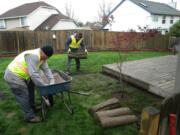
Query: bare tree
{"points": [[70, 12], [104, 9]]}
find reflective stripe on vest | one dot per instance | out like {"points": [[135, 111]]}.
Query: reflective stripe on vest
{"points": [[75, 44], [18, 65]]}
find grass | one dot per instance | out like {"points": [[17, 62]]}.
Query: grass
{"points": [[89, 80]]}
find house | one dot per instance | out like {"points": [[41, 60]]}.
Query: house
{"points": [[132, 14], [58, 22], [32, 15]]}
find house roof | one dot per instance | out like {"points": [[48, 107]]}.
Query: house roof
{"points": [[51, 21], [24, 10], [156, 7]]}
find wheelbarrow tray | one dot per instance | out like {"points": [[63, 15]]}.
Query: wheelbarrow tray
{"points": [[56, 88], [80, 55]]}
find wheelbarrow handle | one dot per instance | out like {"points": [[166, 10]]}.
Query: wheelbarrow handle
{"points": [[79, 93]]}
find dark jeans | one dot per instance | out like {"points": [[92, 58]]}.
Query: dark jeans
{"points": [[69, 64]]}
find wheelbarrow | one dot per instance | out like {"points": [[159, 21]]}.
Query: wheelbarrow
{"points": [[57, 89]]}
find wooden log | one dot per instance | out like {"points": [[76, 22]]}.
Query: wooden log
{"points": [[109, 104], [149, 121], [112, 113], [109, 122]]}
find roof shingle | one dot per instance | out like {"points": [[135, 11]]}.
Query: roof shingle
{"points": [[156, 7]]}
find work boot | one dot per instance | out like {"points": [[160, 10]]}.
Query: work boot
{"points": [[35, 119]]}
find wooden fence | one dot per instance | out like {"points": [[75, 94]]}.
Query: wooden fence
{"points": [[155, 122], [170, 105], [18, 41]]}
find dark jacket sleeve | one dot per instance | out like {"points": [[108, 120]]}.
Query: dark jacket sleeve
{"points": [[67, 43], [83, 45]]}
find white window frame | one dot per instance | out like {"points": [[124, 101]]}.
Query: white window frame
{"points": [[163, 19], [155, 18], [171, 19], [23, 25], [3, 24]]}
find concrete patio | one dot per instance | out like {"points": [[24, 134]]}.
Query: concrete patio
{"points": [[156, 75]]}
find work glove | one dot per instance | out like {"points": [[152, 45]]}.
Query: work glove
{"points": [[86, 51], [69, 50]]}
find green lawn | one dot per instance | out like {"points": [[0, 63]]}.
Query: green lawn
{"points": [[91, 80]]}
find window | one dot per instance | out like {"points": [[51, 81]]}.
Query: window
{"points": [[171, 20], [2, 24], [46, 28], [24, 21], [155, 18], [164, 20]]}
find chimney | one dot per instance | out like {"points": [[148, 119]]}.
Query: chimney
{"points": [[172, 4]]}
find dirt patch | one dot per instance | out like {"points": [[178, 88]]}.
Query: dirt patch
{"points": [[122, 96], [3, 96], [22, 130], [11, 114], [80, 73]]}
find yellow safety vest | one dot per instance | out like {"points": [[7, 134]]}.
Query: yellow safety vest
{"points": [[18, 65], [74, 44]]}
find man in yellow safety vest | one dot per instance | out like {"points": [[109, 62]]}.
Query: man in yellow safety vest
{"points": [[22, 74], [73, 45]]}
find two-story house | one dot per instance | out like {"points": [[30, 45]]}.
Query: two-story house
{"points": [[32, 15], [129, 14]]}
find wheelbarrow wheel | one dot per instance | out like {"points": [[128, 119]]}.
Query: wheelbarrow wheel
{"points": [[43, 104]]}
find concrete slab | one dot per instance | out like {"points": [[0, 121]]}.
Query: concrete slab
{"points": [[157, 75]]}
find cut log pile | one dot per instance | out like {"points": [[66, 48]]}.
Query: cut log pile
{"points": [[109, 114]]}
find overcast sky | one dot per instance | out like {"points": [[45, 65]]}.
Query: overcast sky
{"points": [[84, 10]]}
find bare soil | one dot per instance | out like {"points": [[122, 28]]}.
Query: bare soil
{"points": [[122, 96]]}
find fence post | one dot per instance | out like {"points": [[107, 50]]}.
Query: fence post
{"points": [[170, 105], [17, 36], [149, 121]]}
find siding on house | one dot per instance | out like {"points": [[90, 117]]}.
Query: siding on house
{"points": [[65, 25], [12, 23], [125, 19], [159, 22], [39, 16]]}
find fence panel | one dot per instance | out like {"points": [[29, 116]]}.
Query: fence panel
{"points": [[15, 42], [8, 42]]}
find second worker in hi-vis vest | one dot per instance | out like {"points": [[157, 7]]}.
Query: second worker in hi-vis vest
{"points": [[73, 44], [22, 74]]}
